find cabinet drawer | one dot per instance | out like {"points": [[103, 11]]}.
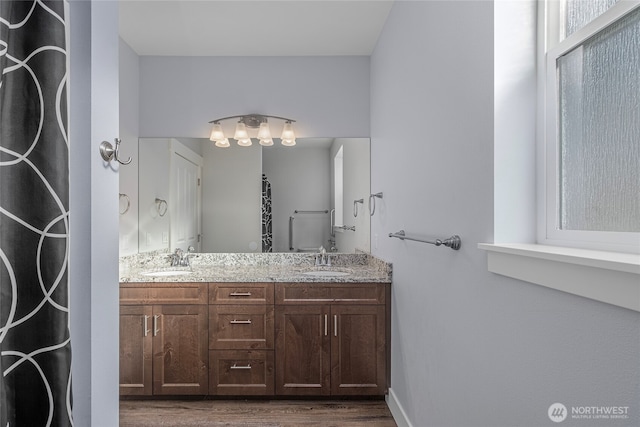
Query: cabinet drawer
{"points": [[241, 293], [163, 293], [241, 372], [335, 293], [241, 326]]}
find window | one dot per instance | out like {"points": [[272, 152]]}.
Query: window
{"points": [[591, 123]]}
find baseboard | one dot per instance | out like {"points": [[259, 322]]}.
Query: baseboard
{"points": [[397, 411]]}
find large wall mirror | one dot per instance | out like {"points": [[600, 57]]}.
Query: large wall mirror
{"points": [[254, 199]]}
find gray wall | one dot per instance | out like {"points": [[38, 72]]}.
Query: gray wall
{"points": [[80, 209], [470, 348], [153, 230], [231, 195], [299, 181], [357, 167], [93, 264], [129, 75], [328, 96]]}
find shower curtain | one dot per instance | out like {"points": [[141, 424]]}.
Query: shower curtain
{"points": [[267, 233], [35, 352]]}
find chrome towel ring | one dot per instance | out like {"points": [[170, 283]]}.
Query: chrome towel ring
{"points": [[161, 206], [128, 200], [372, 206], [355, 207]]}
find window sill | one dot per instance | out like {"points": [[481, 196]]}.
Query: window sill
{"points": [[609, 277]]}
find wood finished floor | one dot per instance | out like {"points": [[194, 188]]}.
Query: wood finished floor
{"points": [[254, 413]]}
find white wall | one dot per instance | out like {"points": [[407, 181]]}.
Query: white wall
{"points": [[129, 76], [470, 348], [514, 121], [231, 198], [299, 181], [328, 96]]}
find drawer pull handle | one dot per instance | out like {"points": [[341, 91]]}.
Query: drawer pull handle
{"points": [[146, 325], [240, 294], [241, 367], [325, 325], [155, 325], [335, 325], [240, 322]]}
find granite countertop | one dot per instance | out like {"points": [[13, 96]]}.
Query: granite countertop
{"points": [[360, 268]]}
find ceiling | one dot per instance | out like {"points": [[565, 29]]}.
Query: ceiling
{"points": [[253, 28]]}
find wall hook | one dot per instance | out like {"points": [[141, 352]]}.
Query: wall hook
{"points": [[372, 206], [108, 152]]}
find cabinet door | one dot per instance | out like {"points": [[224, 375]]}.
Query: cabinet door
{"points": [[180, 355], [302, 350], [135, 350], [358, 352]]}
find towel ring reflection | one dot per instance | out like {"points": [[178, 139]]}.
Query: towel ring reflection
{"points": [[161, 206], [128, 200], [372, 206], [355, 207]]}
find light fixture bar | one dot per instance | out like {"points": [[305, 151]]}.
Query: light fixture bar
{"points": [[252, 118]]}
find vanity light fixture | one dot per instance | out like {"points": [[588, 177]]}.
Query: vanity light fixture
{"points": [[249, 122]]}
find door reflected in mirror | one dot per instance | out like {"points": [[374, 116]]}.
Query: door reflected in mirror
{"points": [[254, 199]]}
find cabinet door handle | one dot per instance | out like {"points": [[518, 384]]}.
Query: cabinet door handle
{"points": [[146, 325], [155, 325], [326, 325], [335, 325], [240, 294], [235, 366], [240, 322]]}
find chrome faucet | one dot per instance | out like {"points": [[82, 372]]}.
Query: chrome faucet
{"points": [[185, 258], [179, 258], [323, 259], [176, 257]]}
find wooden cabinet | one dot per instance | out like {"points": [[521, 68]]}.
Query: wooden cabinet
{"points": [[163, 339], [263, 339], [136, 354], [331, 339], [303, 350], [241, 339], [358, 350]]}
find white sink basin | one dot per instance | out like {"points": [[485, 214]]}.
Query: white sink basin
{"points": [[166, 273], [325, 273]]}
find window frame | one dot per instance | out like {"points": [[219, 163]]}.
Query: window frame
{"points": [[550, 48]]}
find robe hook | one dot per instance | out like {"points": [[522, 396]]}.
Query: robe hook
{"points": [[108, 152]]}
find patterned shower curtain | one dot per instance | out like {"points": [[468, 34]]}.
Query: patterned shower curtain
{"points": [[267, 232], [35, 352]]}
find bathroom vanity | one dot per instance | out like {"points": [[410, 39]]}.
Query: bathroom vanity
{"points": [[255, 325]]}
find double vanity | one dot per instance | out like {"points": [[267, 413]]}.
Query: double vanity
{"points": [[273, 324]]}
